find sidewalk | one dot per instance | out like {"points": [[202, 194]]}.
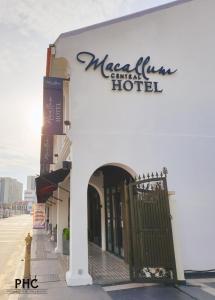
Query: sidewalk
{"points": [[50, 271]]}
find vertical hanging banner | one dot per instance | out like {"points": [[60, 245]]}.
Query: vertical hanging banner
{"points": [[44, 169], [52, 106], [46, 154], [39, 216]]}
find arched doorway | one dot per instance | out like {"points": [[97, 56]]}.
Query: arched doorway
{"points": [[109, 186], [94, 216], [110, 180], [135, 219]]}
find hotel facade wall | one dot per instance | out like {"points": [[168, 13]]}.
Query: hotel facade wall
{"points": [[146, 131]]}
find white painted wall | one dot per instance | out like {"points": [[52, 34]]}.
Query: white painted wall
{"points": [[50, 214], [176, 237], [54, 210], [148, 131]]}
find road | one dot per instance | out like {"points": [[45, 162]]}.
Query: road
{"points": [[13, 231]]}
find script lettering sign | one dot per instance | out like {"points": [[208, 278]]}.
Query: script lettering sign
{"points": [[126, 77]]}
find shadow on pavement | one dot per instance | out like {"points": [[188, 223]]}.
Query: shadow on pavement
{"points": [[161, 293]]}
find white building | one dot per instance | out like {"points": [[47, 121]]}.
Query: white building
{"points": [[140, 97], [10, 190], [30, 193], [31, 183]]}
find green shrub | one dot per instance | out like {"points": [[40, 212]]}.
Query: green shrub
{"points": [[66, 233]]}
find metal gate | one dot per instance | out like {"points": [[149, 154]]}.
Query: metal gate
{"points": [[151, 248]]}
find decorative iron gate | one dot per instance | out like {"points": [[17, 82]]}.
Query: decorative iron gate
{"points": [[151, 243]]}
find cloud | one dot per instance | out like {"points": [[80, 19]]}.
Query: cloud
{"points": [[28, 26], [52, 17]]}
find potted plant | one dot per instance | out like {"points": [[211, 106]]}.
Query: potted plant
{"points": [[66, 234]]}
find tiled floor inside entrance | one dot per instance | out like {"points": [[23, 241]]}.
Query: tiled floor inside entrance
{"points": [[106, 268]]}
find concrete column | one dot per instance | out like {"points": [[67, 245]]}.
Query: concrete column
{"points": [[78, 261], [54, 212], [98, 182], [50, 214], [62, 218], [176, 238], [50, 218], [100, 191], [103, 232]]}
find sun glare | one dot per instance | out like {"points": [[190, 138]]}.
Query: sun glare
{"points": [[35, 120]]}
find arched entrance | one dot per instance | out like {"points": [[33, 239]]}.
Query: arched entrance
{"points": [[106, 200], [137, 227], [94, 216]]}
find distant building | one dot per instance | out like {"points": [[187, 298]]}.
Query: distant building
{"points": [[22, 207], [10, 190], [1, 193], [29, 194], [31, 183]]}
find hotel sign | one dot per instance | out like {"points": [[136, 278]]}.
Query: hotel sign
{"points": [[126, 77], [52, 106]]}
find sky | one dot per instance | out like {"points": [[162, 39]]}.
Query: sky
{"points": [[27, 27]]}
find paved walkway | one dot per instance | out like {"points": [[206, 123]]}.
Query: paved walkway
{"points": [[49, 268], [106, 268], [50, 273]]}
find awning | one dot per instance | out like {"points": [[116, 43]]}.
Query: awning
{"points": [[48, 183]]}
